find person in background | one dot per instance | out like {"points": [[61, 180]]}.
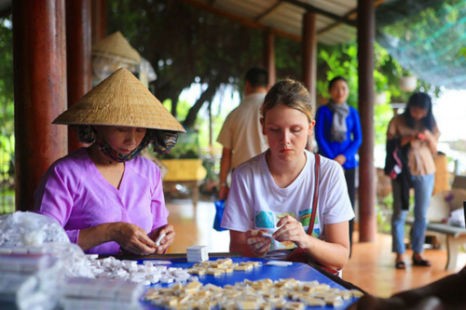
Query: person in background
{"points": [[241, 135], [417, 130], [106, 196], [298, 197], [339, 136]]}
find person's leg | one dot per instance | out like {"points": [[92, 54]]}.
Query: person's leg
{"points": [[423, 187], [398, 225], [350, 183]]}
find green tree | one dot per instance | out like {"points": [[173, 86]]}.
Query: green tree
{"points": [[6, 99]]}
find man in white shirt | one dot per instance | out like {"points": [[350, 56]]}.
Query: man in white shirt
{"points": [[241, 134]]}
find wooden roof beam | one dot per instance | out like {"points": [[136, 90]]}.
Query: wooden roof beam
{"points": [[351, 15], [239, 19], [267, 12], [311, 8]]}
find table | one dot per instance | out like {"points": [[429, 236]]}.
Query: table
{"points": [[188, 172], [298, 271]]}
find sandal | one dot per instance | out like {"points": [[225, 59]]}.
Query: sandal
{"points": [[400, 265], [421, 263]]}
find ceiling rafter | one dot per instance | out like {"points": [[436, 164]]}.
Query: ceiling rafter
{"points": [[311, 8], [239, 19], [350, 18], [267, 12], [351, 15]]}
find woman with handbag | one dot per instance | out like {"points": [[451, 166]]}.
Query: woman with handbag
{"points": [[418, 134], [288, 203]]}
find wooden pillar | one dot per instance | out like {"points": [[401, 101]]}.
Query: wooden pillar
{"points": [[309, 53], [211, 125], [99, 20], [269, 56], [78, 52], [367, 216], [39, 57], [309, 62]]}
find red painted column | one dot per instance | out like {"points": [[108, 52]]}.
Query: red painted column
{"points": [[269, 56], [39, 51], [309, 53], [367, 186], [78, 49], [99, 20]]}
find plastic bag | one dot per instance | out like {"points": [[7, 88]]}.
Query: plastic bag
{"points": [[30, 229], [219, 208], [457, 218]]}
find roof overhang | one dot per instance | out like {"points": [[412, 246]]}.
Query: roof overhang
{"points": [[335, 19]]}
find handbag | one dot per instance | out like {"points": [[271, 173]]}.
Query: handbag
{"points": [[298, 255], [219, 208]]}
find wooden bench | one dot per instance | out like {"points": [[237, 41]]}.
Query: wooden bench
{"points": [[441, 205]]}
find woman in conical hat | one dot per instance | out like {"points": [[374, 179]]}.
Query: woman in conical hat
{"points": [[105, 196]]}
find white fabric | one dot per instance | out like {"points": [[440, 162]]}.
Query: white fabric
{"points": [[256, 202], [242, 133]]}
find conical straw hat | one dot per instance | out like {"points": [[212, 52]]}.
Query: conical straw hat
{"points": [[120, 100], [116, 45]]}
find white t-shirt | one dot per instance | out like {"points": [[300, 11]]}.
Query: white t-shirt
{"points": [[242, 132], [256, 202]]}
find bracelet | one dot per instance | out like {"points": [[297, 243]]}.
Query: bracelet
{"points": [[223, 184]]}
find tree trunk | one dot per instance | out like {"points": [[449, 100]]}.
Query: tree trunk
{"points": [[207, 95], [174, 100]]}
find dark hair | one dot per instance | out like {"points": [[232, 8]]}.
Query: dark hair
{"points": [[423, 101], [289, 93], [336, 79], [257, 77]]}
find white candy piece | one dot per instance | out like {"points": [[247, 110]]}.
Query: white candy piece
{"points": [[157, 242], [279, 263], [5, 251], [267, 235], [166, 279], [92, 256], [161, 262]]}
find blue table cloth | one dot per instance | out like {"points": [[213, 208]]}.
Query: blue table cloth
{"points": [[298, 271]]}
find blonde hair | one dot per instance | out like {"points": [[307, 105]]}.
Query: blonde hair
{"points": [[289, 93]]}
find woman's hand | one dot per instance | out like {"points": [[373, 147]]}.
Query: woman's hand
{"points": [[341, 159], [427, 134], [258, 244], [166, 241], [131, 238], [431, 140], [223, 192], [291, 230]]}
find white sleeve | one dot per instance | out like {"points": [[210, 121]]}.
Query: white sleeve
{"points": [[239, 209], [225, 137], [335, 199]]}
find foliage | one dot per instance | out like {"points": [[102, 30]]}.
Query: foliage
{"points": [[186, 46], [462, 52], [7, 144], [7, 150], [427, 42], [198, 51], [186, 147]]}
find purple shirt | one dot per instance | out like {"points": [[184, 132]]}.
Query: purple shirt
{"points": [[76, 194]]}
